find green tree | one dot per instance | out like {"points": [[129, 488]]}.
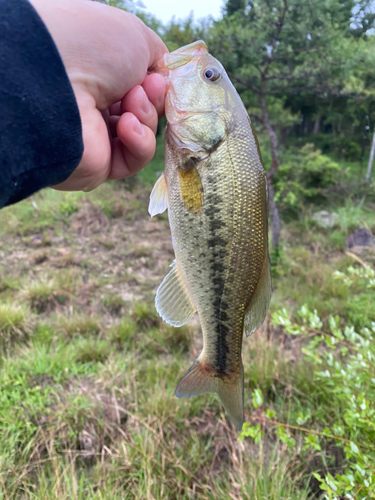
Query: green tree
{"points": [[275, 50], [280, 48], [233, 6], [178, 33]]}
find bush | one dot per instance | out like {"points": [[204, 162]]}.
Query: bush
{"points": [[344, 361], [304, 179], [347, 149], [338, 145]]}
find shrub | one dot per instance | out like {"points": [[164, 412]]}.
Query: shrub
{"points": [[304, 179], [344, 361]]}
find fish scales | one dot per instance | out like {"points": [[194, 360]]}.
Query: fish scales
{"points": [[216, 195]]}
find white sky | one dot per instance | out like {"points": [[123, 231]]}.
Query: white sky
{"points": [[166, 9]]}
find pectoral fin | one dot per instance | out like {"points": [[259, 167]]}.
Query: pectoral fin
{"points": [[158, 197], [172, 300], [257, 309]]}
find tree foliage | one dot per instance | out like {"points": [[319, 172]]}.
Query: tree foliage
{"points": [[305, 71], [315, 59]]}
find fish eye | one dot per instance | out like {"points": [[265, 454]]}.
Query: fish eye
{"points": [[211, 74]]}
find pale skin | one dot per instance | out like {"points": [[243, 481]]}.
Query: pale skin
{"points": [[107, 53]]}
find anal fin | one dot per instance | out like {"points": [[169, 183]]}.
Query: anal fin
{"points": [[257, 309], [173, 301]]}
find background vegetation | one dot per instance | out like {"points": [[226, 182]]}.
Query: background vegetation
{"points": [[87, 368]]}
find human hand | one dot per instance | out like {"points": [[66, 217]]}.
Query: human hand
{"points": [[106, 53]]}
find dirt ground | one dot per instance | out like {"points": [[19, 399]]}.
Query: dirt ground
{"points": [[125, 253]]}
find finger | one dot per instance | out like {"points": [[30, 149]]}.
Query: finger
{"points": [[112, 125], [115, 109], [105, 115], [133, 149], [154, 86], [111, 122], [137, 103]]}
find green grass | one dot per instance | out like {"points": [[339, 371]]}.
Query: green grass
{"points": [[16, 323], [88, 369], [306, 270]]}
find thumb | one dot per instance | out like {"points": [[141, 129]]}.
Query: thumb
{"points": [[106, 51]]}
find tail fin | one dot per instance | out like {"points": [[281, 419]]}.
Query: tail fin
{"points": [[200, 379]]}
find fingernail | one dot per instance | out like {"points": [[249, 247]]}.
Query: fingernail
{"points": [[146, 106], [160, 102], [137, 127], [145, 103]]}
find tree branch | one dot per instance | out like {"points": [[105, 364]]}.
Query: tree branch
{"points": [[296, 51], [333, 91], [275, 40], [291, 77], [323, 56], [244, 83], [257, 117]]}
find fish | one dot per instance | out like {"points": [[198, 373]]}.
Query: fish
{"points": [[214, 187]]}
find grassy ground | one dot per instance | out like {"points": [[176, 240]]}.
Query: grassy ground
{"points": [[88, 370]]}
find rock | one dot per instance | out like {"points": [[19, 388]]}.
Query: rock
{"points": [[89, 444], [325, 219], [362, 237], [36, 239]]}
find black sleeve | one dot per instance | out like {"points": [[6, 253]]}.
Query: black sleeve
{"points": [[40, 127]]}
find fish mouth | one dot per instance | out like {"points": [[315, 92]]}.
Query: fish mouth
{"points": [[179, 58], [176, 115]]}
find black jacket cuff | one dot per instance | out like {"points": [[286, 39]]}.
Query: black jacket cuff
{"points": [[40, 127]]}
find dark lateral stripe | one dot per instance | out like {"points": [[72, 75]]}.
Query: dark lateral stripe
{"points": [[216, 241], [222, 349], [217, 246]]}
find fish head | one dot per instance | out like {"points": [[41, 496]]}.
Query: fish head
{"points": [[200, 98]]}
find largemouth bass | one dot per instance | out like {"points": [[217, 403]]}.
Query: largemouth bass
{"points": [[215, 189]]}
